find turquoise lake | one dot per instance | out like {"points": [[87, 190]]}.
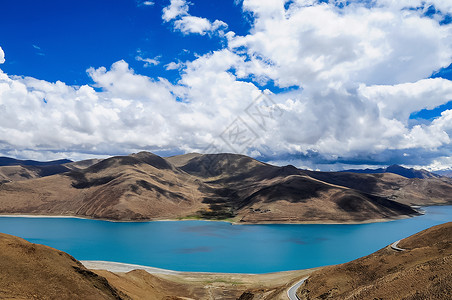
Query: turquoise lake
{"points": [[218, 246]]}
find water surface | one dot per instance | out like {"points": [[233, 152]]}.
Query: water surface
{"points": [[218, 246]]}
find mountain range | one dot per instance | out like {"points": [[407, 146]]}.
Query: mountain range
{"points": [[144, 186], [399, 170]]}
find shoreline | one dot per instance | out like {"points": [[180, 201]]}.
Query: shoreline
{"points": [[118, 267], [319, 222]]}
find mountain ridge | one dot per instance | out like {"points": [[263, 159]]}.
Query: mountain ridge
{"points": [[145, 186], [399, 170], [8, 161]]}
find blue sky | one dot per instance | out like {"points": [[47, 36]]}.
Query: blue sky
{"points": [[59, 40], [350, 83]]}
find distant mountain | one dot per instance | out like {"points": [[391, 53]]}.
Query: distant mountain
{"points": [[144, 186], [446, 173], [19, 170], [8, 161], [422, 271], [82, 164], [399, 170], [410, 191]]}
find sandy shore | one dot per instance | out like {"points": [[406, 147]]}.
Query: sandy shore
{"points": [[124, 268], [45, 216], [143, 282]]}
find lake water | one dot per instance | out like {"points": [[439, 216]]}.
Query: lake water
{"points": [[218, 246]]}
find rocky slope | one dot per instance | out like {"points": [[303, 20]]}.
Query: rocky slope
{"points": [[422, 271]]}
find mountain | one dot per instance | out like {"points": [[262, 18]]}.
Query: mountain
{"points": [[17, 170], [18, 173], [7, 161], [82, 164], [399, 170], [31, 271], [446, 173], [144, 186], [410, 191], [422, 271]]}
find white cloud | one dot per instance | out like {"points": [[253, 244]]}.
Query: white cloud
{"points": [[360, 72], [148, 62], [148, 3], [2, 56], [190, 24], [400, 100], [197, 25], [327, 46], [177, 11], [440, 163], [174, 65]]}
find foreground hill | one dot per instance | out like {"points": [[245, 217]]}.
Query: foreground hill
{"points": [[30, 271], [145, 186], [422, 271]]}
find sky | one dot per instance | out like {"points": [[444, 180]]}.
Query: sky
{"points": [[324, 85]]}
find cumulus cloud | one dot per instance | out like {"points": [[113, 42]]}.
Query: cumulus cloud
{"points": [[177, 11], [356, 72], [197, 25], [2, 56], [323, 45], [174, 65], [400, 100]]}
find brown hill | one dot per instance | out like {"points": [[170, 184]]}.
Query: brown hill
{"points": [[410, 191], [16, 172], [19, 173], [422, 271], [82, 164], [30, 271], [145, 186], [119, 188]]}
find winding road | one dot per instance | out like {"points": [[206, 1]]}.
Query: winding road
{"points": [[292, 292], [394, 246]]}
